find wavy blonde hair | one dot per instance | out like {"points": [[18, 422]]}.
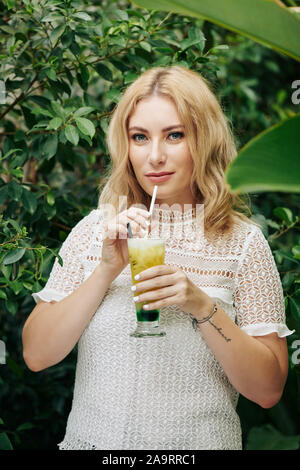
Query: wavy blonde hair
{"points": [[209, 137]]}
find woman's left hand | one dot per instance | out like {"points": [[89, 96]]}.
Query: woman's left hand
{"points": [[172, 287]]}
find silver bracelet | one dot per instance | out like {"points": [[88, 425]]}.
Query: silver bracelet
{"points": [[196, 322]]}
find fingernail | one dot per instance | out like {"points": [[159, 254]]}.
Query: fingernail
{"points": [[137, 277], [136, 298], [133, 288]]}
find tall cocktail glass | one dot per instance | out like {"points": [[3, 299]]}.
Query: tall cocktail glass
{"points": [[143, 254]]}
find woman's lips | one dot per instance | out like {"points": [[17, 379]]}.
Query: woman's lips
{"points": [[160, 179]]}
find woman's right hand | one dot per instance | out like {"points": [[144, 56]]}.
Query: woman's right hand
{"points": [[114, 249]]}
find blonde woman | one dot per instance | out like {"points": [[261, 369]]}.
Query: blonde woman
{"points": [[219, 292]]}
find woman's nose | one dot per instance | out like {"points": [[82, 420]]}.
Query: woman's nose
{"points": [[156, 154]]}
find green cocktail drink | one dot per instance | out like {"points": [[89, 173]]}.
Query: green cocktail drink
{"points": [[143, 254]]}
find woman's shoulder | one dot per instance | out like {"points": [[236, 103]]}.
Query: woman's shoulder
{"points": [[238, 237], [246, 227], [246, 237], [90, 218], [86, 224]]}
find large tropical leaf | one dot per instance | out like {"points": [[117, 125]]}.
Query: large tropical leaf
{"points": [[267, 437], [263, 21], [270, 161]]}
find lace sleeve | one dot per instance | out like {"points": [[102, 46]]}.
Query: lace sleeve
{"points": [[63, 280], [259, 299]]}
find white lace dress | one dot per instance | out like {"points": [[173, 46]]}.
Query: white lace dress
{"points": [[168, 392]]}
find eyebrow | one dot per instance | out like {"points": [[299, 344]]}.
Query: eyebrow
{"points": [[169, 128]]}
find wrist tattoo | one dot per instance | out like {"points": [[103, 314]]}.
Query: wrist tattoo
{"points": [[220, 331], [196, 322]]}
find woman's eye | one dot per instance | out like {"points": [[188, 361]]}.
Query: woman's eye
{"points": [[176, 135], [138, 137]]}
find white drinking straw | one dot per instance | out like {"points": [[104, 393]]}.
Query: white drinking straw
{"points": [[153, 200], [151, 208]]}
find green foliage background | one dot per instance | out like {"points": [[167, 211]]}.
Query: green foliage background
{"points": [[65, 65]]}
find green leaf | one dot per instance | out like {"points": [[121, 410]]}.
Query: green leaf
{"points": [[269, 162], [16, 287], [62, 137], [40, 125], [263, 21], [14, 190], [82, 16], [50, 145], [67, 38], [40, 100], [59, 258], [296, 251], [17, 172], [104, 72], [3, 194], [6, 270], [41, 111], [50, 198], [135, 13], [20, 135], [18, 160], [15, 225], [295, 308], [50, 211], [283, 213], [279, 254], [195, 37], [114, 95], [121, 15], [268, 438], [86, 126], [85, 137], [129, 77], [74, 47], [25, 426], [51, 17], [58, 110], [51, 74], [145, 45], [72, 134], [83, 76], [13, 256], [29, 201], [27, 285], [10, 4], [273, 224], [3, 296], [287, 280], [10, 152], [57, 33], [84, 110], [55, 123], [5, 443], [218, 48]]}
